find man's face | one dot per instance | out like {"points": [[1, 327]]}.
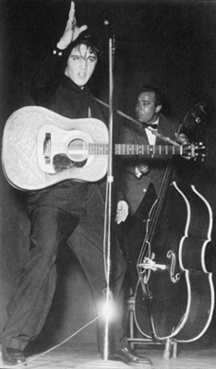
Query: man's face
{"points": [[80, 65], [146, 110]]}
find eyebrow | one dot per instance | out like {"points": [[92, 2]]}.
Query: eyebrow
{"points": [[146, 100], [89, 56]]}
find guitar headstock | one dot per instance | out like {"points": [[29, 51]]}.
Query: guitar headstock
{"points": [[195, 151]]}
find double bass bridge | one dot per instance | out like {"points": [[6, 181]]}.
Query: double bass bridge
{"points": [[152, 265], [149, 264]]}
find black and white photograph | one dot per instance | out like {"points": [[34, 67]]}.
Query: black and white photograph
{"points": [[108, 184]]}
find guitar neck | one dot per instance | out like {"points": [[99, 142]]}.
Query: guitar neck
{"points": [[130, 149]]}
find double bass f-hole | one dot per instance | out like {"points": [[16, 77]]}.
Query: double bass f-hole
{"points": [[174, 277]]}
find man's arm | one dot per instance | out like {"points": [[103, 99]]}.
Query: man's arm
{"points": [[49, 73]]}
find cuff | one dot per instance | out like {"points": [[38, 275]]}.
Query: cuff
{"points": [[58, 52]]}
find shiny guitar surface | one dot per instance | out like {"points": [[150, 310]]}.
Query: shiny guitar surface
{"points": [[42, 148]]}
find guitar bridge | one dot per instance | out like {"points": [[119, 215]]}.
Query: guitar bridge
{"points": [[47, 148]]}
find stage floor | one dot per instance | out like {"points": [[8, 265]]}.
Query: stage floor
{"points": [[76, 356]]}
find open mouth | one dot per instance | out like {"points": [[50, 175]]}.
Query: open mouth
{"points": [[82, 75]]}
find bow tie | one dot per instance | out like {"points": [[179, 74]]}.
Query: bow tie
{"points": [[153, 126]]}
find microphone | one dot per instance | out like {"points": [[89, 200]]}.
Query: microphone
{"points": [[106, 22], [108, 27]]}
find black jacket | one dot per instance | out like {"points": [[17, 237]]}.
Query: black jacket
{"points": [[133, 189], [52, 89]]}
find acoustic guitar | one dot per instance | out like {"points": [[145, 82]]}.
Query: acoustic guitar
{"points": [[42, 148]]}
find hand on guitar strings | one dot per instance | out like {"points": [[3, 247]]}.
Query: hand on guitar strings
{"points": [[182, 139], [72, 31]]}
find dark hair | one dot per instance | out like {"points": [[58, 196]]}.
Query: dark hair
{"points": [[159, 96], [91, 40]]}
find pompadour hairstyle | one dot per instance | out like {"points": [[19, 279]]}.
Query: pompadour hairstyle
{"points": [[91, 40]]}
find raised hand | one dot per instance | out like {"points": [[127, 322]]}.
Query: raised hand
{"points": [[72, 31]]}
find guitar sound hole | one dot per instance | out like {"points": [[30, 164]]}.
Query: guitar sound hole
{"points": [[77, 150]]}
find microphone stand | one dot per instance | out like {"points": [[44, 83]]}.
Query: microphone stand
{"points": [[108, 206]]}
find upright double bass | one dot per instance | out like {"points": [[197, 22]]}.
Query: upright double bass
{"points": [[174, 296]]}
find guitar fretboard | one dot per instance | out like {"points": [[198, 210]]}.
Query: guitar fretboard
{"points": [[130, 149]]}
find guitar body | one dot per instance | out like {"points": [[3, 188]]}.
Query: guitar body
{"points": [[39, 149]]}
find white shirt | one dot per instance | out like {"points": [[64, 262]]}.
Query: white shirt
{"points": [[150, 135]]}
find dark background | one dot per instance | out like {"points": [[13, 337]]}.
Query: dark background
{"points": [[171, 44]]}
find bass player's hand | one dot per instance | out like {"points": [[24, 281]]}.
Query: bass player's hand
{"points": [[122, 211]]}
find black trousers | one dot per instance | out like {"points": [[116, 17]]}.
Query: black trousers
{"points": [[133, 234], [51, 224]]}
